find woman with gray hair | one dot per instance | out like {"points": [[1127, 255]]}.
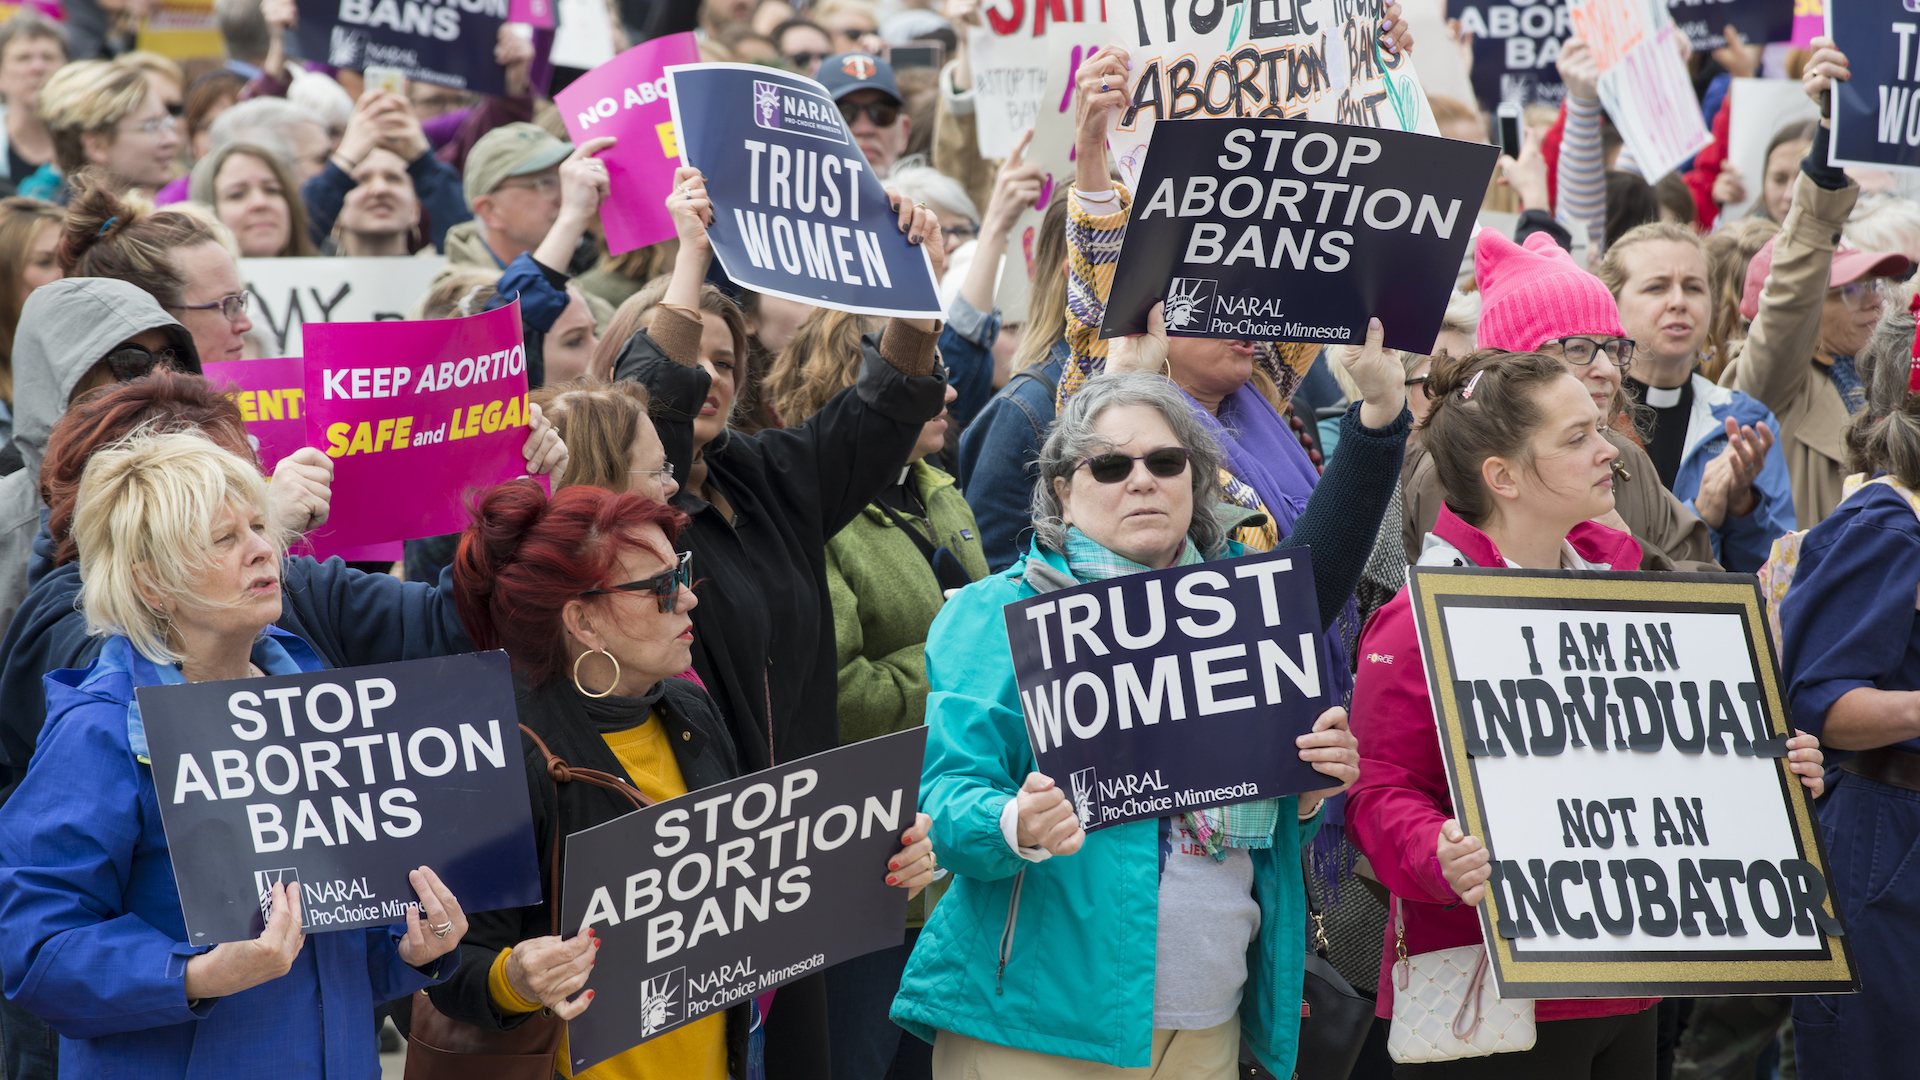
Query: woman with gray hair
{"points": [[1125, 957], [181, 575]]}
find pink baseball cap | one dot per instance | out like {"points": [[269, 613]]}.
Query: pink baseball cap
{"points": [[1849, 264]]}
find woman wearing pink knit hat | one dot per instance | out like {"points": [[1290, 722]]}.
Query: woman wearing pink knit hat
{"points": [[1534, 298]]}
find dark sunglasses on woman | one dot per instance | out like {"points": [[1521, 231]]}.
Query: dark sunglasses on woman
{"points": [[664, 587], [1166, 462], [131, 361]]}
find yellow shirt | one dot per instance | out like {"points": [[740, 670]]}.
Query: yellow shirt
{"points": [[697, 1051]]}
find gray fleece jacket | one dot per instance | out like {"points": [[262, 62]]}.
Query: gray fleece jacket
{"points": [[65, 329]]}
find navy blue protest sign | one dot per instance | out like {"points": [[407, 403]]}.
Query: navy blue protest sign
{"points": [[1876, 113], [343, 781], [797, 213], [448, 42], [1515, 48], [1175, 690], [724, 893], [1289, 230], [1757, 21]]}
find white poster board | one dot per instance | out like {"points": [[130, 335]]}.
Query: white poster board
{"points": [[1760, 108], [1643, 83], [1011, 53], [288, 293], [1442, 71]]}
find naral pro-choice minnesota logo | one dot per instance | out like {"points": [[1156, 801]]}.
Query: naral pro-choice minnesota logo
{"points": [[779, 107], [662, 1000], [265, 880], [1190, 302], [1086, 796]]}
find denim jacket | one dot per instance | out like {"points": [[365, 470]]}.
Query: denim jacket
{"points": [[998, 452]]}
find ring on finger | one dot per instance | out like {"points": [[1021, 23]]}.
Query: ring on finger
{"points": [[441, 930]]}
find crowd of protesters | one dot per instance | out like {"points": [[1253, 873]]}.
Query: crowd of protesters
{"points": [[763, 530]]}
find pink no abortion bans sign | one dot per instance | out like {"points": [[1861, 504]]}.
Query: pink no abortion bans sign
{"points": [[415, 416], [626, 97]]}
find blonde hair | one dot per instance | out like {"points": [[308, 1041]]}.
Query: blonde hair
{"points": [[1046, 323], [142, 522], [471, 288], [598, 421], [822, 359], [1612, 270], [88, 96], [155, 64], [635, 314]]}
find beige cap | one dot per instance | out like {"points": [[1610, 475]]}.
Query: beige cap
{"points": [[510, 150]]}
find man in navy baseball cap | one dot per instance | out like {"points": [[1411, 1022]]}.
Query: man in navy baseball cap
{"points": [[863, 86]]}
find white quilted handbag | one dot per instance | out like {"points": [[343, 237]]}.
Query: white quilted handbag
{"points": [[1445, 1006]]}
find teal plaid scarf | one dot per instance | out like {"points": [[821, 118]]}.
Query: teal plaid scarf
{"points": [[1241, 825]]}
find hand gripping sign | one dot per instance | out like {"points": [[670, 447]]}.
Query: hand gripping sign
{"points": [[1156, 693], [1618, 742], [797, 212], [343, 781], [627, 98]]}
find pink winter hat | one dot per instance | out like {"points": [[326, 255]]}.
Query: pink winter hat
{"points": [[1534, 294]]}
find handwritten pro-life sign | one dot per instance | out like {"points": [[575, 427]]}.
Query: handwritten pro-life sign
{"points": [[626, 98], [446, 43], [1876, 113], [1618, 741], [796, 211], [1287, 230], [724, 893], [1156, 693], [415, 415], [342, 781]]}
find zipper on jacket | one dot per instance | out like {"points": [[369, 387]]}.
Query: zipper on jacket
{"points": [[1006, 935], [766, 688]]}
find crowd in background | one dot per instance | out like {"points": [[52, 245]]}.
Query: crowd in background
{"points": [[776, 529]]}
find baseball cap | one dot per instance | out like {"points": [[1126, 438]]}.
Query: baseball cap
{"points": [[514, 149], [1849, 264], [844, 73]]}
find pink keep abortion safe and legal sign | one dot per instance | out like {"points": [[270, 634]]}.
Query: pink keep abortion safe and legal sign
{"points": [[415, 415], [626, 97]]}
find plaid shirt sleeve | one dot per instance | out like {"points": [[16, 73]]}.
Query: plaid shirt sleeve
{"points": [[1093, 250]]}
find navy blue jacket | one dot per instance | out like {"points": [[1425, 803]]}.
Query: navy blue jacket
{"points": [[435, 184], [350, 618], [1848, 620], [998, 452]]}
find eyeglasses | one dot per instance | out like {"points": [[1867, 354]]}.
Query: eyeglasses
{"points": [[882, 113], [664, 473], [665, 587], [155, 125], [1166, 462], [545, 185], [802, 61], [1417, 380], [1862, 294], [131, 361], [232, 306], [1581, 351], [961, 233]]}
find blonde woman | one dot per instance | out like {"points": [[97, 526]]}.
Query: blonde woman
{"points": [[107, 114], [181, 576], [611, 442]]}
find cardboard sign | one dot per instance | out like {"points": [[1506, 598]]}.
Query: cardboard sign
{"points": [[1760, 108], [1643, 83], [1618, 742], [1876, 114], [797, 213], [415, 416], [1515, 49], [1305, 59], [1285, 230], [584, 38], [343, 781], [448, 44], [287, 294], [1053, 150], [724, 893], [627, 99], [1758, 21], [1176, 690], [1013, 55]]}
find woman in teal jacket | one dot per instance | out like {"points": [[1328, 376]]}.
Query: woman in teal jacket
{"points": [[1049, 944]]}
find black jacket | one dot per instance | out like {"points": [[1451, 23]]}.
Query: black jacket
{"points": [[763, 631], [702, 747]]}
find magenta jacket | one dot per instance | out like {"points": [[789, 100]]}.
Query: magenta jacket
{"points": [[1395, 809]]}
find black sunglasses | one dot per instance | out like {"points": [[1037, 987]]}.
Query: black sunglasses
{"points": [[664, 587], [801, 61], [1166, 462], [131, 361], [882, 113]]}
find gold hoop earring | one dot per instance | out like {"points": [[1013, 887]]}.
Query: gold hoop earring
{"points": [[576, 674]]}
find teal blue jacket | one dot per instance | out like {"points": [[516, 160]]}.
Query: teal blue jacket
{"points": [[1057, 957]]}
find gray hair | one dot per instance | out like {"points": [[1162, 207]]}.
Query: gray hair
{"points": [[1073, 440], [264, 122], [1886, 434], [1885, 223], [243, 27], [926, 184]]}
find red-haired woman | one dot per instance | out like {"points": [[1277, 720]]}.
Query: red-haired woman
{"points": [[587, 594]]}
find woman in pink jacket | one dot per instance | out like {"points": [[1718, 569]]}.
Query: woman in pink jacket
{"points": [[1516, 441]]}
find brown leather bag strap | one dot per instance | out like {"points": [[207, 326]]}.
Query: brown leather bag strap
{"points": [[563, 773]]}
